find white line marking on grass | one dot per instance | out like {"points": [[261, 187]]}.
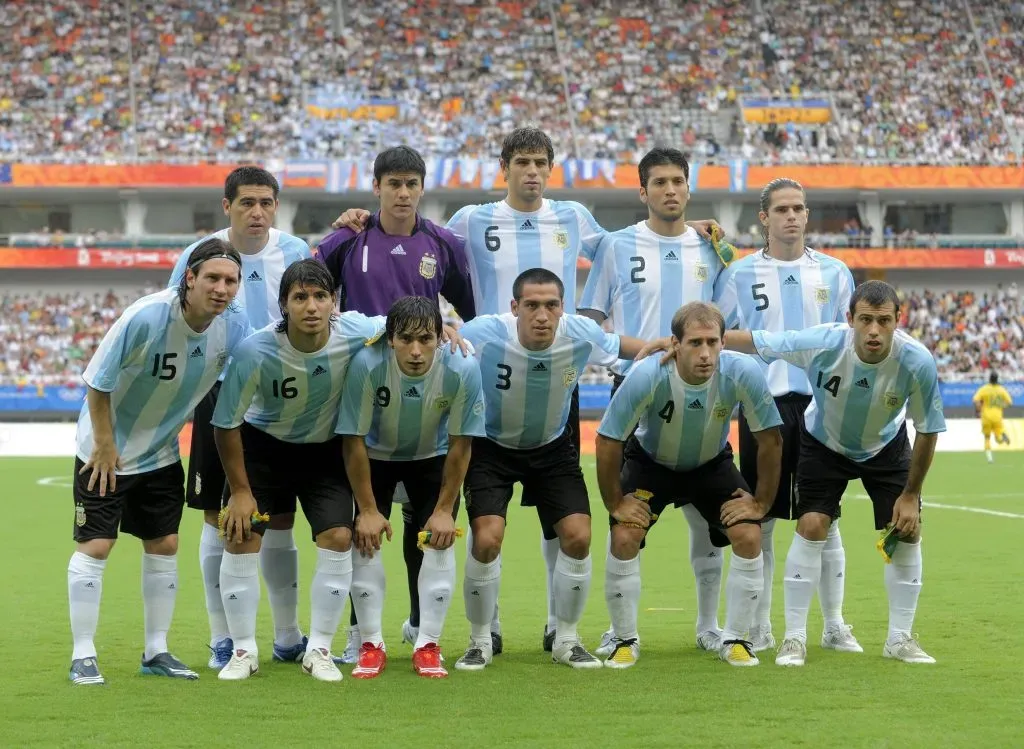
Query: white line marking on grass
{"points": [[666, 609], [963, 508], [58, 481]]}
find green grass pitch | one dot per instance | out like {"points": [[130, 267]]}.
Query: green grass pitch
{"points": [[970, 609]]}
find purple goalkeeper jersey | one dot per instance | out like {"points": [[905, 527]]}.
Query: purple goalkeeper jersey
{"points": [[373, 269]]}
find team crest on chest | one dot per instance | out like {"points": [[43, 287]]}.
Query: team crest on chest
{"points": [[821, 295], [721, 411], [569, 376], [428, 266], [222, 358], [561, 237], [891, 399], [700, 271], [441, 402]]}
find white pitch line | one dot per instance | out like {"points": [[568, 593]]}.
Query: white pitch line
{"points": [[666, 609], [963, 508]]}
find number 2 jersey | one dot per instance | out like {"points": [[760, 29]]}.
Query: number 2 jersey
{"points": [[287, 393], [156, 369], [683, 426], [858, 408]]}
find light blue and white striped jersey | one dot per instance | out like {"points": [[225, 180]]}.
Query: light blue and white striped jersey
{"points": [[640, 279], [261, 274], [527, 393], [759, 292], [683, 426], [156, 369], [502, 242], [288, 394], [410, 418], [858, 408]]}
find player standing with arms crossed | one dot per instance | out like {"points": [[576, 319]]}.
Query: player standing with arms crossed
{"points": [[147, 375], [788, 286]]}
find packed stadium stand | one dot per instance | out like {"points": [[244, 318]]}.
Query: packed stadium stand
{"points": [[934, 82]]}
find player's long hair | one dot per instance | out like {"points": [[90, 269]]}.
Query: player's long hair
{"points": [[780, 183], [211, 249], [411, 314], [308, 272]]}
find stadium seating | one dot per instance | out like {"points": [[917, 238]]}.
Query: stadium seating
{"points": [[454, 75]]}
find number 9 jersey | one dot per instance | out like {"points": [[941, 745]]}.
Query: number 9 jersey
{"points": [[289, 394]]}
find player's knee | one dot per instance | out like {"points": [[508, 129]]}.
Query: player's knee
{"points": [[574, 535], [626, 542], [166, 546], [335, 539], [745, 539], [488, 534], [245, 546], [813, 526], [284, 521], [97, 548]]}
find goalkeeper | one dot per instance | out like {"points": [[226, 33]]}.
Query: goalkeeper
{"points": [[680, 455]]}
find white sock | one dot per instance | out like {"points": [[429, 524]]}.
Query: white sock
{"points": [[803, 570], [480, 592], [327, 595], [742, 591], [622, 594], [706, 560], [436, 584], [85, 586], [550, 550], [763, 615], [496, 616], [903, 579], [279, 560], [368, 587], [832, 585], [159, 591], [211, 549], [240, 591], [572, 586]]}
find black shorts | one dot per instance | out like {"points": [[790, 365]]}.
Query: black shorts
{"points": [[206, 485], [572, 429], [822, 476], [422, 479], [551, 474], [145, 505], [314, 472], [706, 487], [791, 409]]}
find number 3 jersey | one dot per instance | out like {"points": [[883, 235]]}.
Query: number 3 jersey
{"points": [[683, 426], [858, 408], [289, 394], [156, 369]]}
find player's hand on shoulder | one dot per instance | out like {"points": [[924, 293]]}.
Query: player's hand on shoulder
{"points": [[705, 227], [370, 527], [354, 219], [451, 336], [658, 344], [632, 512], [238, 517], [741, 507], [103, 464], [442, 530]]}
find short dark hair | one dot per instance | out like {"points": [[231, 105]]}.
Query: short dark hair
{"points": [[308, 272], [701, 313], [874, 294], [399, 160], [410, 314], [537, 276], [208, 249], [526, 140], [662, 157], [993, 378], [249, 175]]}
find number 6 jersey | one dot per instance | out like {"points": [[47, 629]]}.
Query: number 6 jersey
{"points": [[289, 394]]}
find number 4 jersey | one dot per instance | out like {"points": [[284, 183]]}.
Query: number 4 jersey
{"points": [[156, 369], [683, 426], [289, 394]]}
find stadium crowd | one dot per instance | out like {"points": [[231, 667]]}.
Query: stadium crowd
{"points": [[633, 75], [47, 339]]}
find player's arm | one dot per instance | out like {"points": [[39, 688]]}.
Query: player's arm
{"points": [[978, 400], [925, 407], [596, 300], [354, 219], [441, 523], [371, 525], [797, 347], [637, 348], [739, 340], [104, 460], [725, 298], [458, 287]]}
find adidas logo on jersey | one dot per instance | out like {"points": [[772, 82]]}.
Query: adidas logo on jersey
{"points": [[319, 370], [671, 256], [398, 250], [412, 393], [526, 225], [539, 367], [255, 276], [790, 281], [196, 353], [336, 593], [695, 405], [863, 383]]}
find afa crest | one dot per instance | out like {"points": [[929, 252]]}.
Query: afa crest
{"points": [[222, 359], [891, 399], [428, 266], [700, 271], [569, 375], [721, 411], [561, 237], [821, 295], [80, 515], [441, 403]]}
